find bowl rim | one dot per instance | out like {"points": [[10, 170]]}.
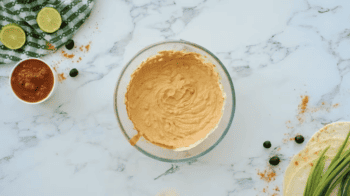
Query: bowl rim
{"points": [[232, 109], [53, 87]]}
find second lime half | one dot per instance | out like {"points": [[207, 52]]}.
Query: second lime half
{"points": [[49, 19]]}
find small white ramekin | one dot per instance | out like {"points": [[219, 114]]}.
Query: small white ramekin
{"points": [[55, 76]]}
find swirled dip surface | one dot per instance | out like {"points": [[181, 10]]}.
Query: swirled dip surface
{"points": [[174, 99]]}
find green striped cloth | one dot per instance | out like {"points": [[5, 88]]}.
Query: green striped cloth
{"points": [[24, 12]]}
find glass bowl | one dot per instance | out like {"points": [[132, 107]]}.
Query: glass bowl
{"points": [[154, 151]]}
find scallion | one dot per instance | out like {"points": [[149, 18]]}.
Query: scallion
{"points": [[336, 166]]}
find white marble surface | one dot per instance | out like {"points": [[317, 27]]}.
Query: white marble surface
{"points": [[275, 51]]}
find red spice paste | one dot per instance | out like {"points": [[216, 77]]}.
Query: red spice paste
{"points": [[32, 80]]}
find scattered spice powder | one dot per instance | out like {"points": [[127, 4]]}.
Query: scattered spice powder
{"points": [[306, 158], [313, 110], [302, 108], [311, 164], [277, 189], [264, 190], [288, 122], [267, 176], [55, 65], [79, 60], [304, 103], [61, 77], [300, 120], [296, 163], [70, 56], [50, 46], [87, 47]]}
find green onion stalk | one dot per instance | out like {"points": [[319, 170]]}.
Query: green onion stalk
{"points": [[324, 186]]}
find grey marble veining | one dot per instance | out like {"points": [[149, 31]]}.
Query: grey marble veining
{"points": [[275, 52]]}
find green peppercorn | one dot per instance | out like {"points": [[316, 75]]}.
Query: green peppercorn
{"points": [[74, 72], [70, 44], [274, 160], [299, 139], [267, 144]]}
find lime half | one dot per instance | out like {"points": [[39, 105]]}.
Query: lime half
{"points": [[49, 19], [12, 36]]}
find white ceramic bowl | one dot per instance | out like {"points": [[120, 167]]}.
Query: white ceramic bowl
{"points": [[52, 90]]}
